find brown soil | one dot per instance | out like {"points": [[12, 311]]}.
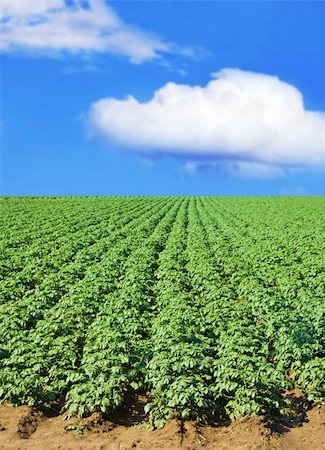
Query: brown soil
{"points": [[24, 428]]}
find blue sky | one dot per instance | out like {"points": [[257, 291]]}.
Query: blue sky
{"points": [[58, 140]]}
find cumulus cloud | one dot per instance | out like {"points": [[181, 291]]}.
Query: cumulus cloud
{"points": [[76, 26], [255, 121]]}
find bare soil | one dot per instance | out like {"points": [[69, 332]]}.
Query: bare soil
{"points": [[25, 428]]}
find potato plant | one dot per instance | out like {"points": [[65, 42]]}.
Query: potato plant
{"points": [[210, 306]]}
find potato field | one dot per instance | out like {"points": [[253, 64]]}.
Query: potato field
{"points": [[211, 307]]}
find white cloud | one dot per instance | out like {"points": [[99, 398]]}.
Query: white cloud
{"points": [[77, 26], [239, 169], [27, 7], [254, 121], [248, 169]]}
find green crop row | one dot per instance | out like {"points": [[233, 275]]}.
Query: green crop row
{"points": [[212, 307]]}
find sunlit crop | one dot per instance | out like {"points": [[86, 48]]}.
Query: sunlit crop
{"points": [[210, 306]]}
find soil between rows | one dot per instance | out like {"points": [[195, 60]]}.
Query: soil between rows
{"points": [[25, 428]]}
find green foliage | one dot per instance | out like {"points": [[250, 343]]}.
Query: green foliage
{"points": [[212, 306]]}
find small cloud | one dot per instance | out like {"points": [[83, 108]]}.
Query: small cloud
{"points": [[238, 169], [87, 68], [78, 27], [147, 163], [251, 124], [190, 168], [295, 191], [248, 169], [183, 72]]}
